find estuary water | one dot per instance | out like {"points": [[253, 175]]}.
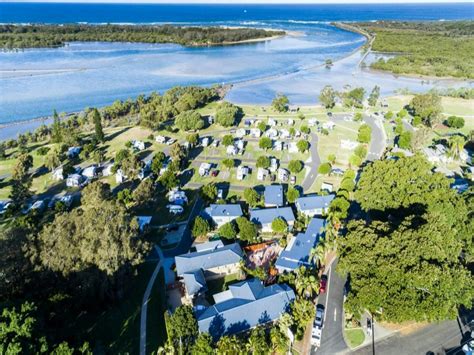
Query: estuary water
{"points": [[33, 82]]}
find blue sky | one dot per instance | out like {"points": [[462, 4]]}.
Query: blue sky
{"points": [[247, 1]]}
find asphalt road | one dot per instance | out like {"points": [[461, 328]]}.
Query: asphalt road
{"points": [[378, 139], [313, 165], [332, 341]]}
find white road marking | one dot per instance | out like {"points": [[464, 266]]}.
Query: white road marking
{"points": [[335, 314], [327, 295]]}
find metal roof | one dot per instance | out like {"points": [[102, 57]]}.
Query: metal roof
{"points": [[194, 282], [274, 195], [267, 215], [229, 210], [313, 202]]}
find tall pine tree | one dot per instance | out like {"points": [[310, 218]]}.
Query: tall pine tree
{"points": [[99, 133], [56, 131]]}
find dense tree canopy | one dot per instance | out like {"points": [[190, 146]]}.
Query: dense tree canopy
{"points": [[427, 107], [189, 120], [328, 96], [227, 114], [280, 103]]}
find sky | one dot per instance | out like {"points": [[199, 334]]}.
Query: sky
{"points": [[246, 1]]}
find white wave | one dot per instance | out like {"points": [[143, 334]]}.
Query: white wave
{"points": [[308, 22]]}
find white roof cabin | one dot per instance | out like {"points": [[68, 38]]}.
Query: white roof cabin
{"points": [[90, 172], [161, 139], [262, 173], [272, 122], [283, 174], [107, 169], [138, 145], [292, 147], [58, 174], [204, 169], [241, 132], [74, 180], [242, 171], [325, 186], [329, 125], [205, 141], [232, 150], [273, 164], [255, 132], [120, 176], [278, 145], [271, 133]]}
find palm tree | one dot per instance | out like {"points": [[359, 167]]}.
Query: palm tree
{"points": [[306, 283], [456, 146], [318, 253]]}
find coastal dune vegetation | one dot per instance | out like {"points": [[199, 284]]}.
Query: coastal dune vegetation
{"points": [[39, 36], [438, 49]]}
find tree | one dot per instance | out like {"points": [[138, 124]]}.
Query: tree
{"points": [[228, 163], [302, 146], [456, 146], [280, 103], [181, 328], [404, 140], [230, 345], [263, 162], [189, 120], [209, 192], [169, 179], [279, 225], [328, 97], [200, 227], [98, 156], [144, 192], [455, 122], [177, 153], [292, 195], [157, 162], [302, 311], [21, 180], [227, 140], [262, 126], [295, 166], [324, 168], [358, 117], [410, 268], [305, 129], [227, 231], [131, 166], [252, 197], [265, 143], [247, 230], [428, 107], [227, 114], [192, 139], [361, 151], [332, 158], [54, 158], [389, 115], [374, 96], [257, 343], [402, 113], [355, 160], [56, 129], [354, 98], [125, 197], [96, 119], [203, 345], [279, 340], [364, 133], [339, 207], [306, 282]]}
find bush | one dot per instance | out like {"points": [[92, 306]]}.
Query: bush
{"points": [[404, 140], [292, 194], [200, 227], [227, 140], [279, 225], [347, 184], [364, 134], [361, 151], [416, 121], [305, 129], [324, 168], [355, 160], [455, 122], [263, 162], [295, 166], [43, 151]]}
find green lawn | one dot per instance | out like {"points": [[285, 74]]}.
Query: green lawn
{"points": [[354, 337], [156, 329]]}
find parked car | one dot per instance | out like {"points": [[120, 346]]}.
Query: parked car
{"points": [[215, 173], [293, 180], [220, 194], [272, 178], [318, 320], [323, 284], [172, 227]]}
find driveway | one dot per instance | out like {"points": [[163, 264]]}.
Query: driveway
{"points": [[313, 165], [332, 340]]}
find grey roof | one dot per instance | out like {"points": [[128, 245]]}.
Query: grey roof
{"points": [[313, 202], [248, 304], [194, 282], [297, 252], [274, 195], [209, 245], [230, 254], [230, 210], [267, 215]]}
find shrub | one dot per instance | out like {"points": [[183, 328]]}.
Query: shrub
{"points": [[295, 166], [455, 122]]}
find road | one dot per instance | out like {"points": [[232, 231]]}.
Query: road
{"points": [[443, 338], [378, 138], [313, 165], [332, 340]]}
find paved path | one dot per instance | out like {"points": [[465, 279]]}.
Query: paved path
{"points": [[332, 340], [313, 165], [146, 298]]}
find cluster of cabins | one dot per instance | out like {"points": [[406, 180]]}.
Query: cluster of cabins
{"points": [[248, 303]]}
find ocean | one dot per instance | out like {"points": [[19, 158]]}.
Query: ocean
{"points": [[34, 82]]}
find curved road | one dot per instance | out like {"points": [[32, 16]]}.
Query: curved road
{"points": [[313, 165]]}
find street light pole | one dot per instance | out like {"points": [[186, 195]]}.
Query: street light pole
{"points": [[373, 334]]}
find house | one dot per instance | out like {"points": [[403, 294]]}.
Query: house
{"points": [[348, 144], [215, 143], [292, 147], [170, 141], [209, 245], [298, 251], [255, 132], [272, 122], [278, 145], [283, 175], [326, 186], [273, 196], [73, 152], [431, 155], [271, 133], [107, 169], [312, 122], [314, 205], [177, 197], [58, 173], [222, 214], [138, 145], [74, 180], [205, 141], [161, 139], [284, 133], [240, 144], [241, 132], [243, 306], [242, 172], [204, 169], [210, 119], [273, 165], [38, 206], [90, 172], [232, 150], [143, 222], [263, 218], [329, 125], [120, 176], [262, 174], [291, 122], [214, 262]]}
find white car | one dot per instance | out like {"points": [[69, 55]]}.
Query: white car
{"points": [[175, 209], [220, 194]]}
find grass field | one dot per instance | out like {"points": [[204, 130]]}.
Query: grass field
{"points": [[354, 337]]}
